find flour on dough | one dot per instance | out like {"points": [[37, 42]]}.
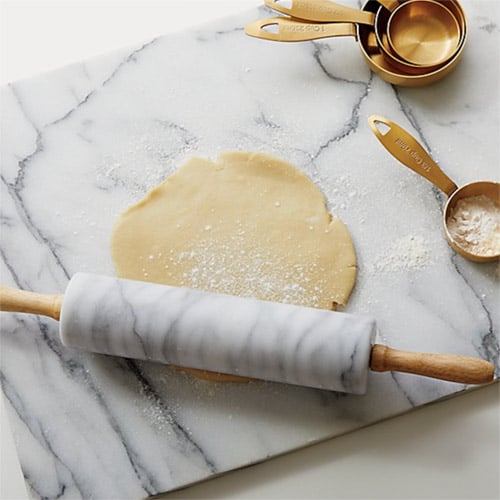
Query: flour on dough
{"points": [[248, 224]]}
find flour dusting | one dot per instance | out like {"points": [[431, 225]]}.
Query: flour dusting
{"points": [[409, 252], [237, 268]]}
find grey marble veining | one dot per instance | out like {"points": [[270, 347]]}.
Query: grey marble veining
{"points": [[81, 144], [216, 332]]}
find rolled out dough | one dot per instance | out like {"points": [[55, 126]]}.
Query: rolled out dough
{"points": [[248, 224]]}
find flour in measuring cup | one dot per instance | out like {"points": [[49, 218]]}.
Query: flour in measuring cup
{"points": [[474, 224]]}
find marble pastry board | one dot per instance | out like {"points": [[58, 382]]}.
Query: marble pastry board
{"points": [[82, 143]]}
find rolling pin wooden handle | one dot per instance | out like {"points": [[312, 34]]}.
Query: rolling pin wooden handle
{"points": [[14, 300], [461, 369]]}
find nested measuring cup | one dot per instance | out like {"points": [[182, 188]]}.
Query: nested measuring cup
{"points": [[423, 32], [416, 34], [432, 40], [410, 153], [291, 29]]}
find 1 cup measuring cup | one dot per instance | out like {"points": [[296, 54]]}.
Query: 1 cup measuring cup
{"points": [[462, 201]]}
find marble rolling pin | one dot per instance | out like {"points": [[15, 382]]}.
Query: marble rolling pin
{"points": [[227, 334]]}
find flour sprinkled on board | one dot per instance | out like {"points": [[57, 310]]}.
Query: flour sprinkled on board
{"points": [[408, 252], [237, 268]]}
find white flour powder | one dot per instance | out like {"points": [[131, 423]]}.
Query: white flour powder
{"points": [[474, 224], [408, 252]]}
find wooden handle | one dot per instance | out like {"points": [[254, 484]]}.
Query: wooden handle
{"points": [[461, 369], [14, 300]]}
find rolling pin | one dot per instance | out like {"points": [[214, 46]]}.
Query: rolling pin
{"points": [[228, 334]]}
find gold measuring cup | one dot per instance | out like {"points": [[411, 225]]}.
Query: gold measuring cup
{"points": [[293, 30], [423, 32], [410, 153], [417, 33], [381, 21], [393, 73]]}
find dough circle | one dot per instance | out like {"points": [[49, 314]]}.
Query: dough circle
{"points": [[248, 224]]}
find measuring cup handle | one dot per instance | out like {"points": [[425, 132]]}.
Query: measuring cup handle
{"points": [[389, 4], [323, 11], [282, 29], [410, 153]]}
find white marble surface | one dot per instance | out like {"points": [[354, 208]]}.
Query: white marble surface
{"points": [[400, 280]]}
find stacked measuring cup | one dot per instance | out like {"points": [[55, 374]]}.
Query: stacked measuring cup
{"points": [[409, 43]]}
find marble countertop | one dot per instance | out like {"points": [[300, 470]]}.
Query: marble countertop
{"points": [[82, 143]]}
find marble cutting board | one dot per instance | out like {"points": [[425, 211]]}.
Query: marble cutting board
{"points": [[81, 144]]}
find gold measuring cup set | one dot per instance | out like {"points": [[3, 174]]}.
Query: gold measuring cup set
{"points": [[406, 42], [410, 43]]}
